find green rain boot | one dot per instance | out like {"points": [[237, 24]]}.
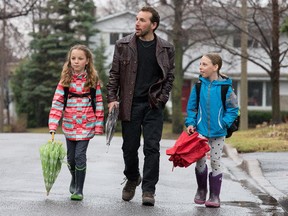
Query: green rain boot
{"points": [[80, 178]]}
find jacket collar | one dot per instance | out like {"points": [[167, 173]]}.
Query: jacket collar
{"points": [[80, 75], [131, 41]]}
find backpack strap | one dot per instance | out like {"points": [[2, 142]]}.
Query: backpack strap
{"points": [[224, 90], [93, 95], [198, 88], [78, 95], [66, 92]]}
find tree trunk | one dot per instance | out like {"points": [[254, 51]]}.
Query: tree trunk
{"points": [[275, 73], [2, 70], [177, 116]]}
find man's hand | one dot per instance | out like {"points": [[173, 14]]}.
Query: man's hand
{"points": [[112, 104]]}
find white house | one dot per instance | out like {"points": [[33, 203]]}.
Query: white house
{"points": [[116, 26]]}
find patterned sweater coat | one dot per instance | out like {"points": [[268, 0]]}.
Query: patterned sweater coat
{"points": [[79, 120]]}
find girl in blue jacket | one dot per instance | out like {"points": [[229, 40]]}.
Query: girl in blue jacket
{"points": [[210, 119]]}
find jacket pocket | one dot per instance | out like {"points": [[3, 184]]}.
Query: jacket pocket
{"points": [[68, 123], [90, 123], [124, 62], [91, 119], [124, 66]]}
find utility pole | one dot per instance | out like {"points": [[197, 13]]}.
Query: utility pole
{"points": [[244, 58]]}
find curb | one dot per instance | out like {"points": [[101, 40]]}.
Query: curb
{"points": [[253, 169]]}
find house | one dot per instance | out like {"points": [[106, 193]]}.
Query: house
{"points": [[116, 26]]}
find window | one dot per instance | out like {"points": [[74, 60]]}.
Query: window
{"points": [[252, 42], [255, 92], [113, 38], [125, 34], [116, 36], [265, 43], [268, 94], [236, 41]]}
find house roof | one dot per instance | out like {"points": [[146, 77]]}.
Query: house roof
{"points": [[116, 15], [119, 21]]}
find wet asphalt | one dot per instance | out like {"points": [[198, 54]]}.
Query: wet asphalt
{"points": [[253, 184], [270, 170]]}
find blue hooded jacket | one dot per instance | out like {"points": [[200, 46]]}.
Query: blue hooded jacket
{"points": [[211, 119]]}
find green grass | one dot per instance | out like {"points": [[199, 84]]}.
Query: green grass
{"points": [[263, 139]]}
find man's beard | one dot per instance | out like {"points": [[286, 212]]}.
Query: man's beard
{"points": [[143, 33]]}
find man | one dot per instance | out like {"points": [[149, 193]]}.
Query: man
{"points": [[141, 78]]}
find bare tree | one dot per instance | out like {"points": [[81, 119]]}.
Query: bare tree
{"points": [[9, 35], [189, 37], [16, 8], [178, 35], [263, 30], [113, 6], [2, 72]]}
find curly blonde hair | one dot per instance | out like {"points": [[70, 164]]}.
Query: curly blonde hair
{"points": [[67, 72]]}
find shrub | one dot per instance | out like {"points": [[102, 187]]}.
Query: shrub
{"points": [[258, 117]]}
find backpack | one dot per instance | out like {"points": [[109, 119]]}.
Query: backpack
{"points": [[224, 89], [92, 94]]}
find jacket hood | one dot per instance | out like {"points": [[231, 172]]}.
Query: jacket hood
{"points": [[222, 80]]}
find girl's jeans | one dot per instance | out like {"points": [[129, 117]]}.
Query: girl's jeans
{"points": [[76, 153]]}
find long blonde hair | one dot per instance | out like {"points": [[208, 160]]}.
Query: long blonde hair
{"points": [[67, 72]]}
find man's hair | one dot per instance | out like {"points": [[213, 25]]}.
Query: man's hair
{"points": [[155, 15]]}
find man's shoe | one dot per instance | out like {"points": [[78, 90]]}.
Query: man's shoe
{"points": [[148, 199], [128, 191]]}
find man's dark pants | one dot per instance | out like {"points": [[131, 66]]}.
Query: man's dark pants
{"points": [[149, 121]]}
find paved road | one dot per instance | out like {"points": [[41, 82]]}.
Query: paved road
{"points": [[23, 193]]}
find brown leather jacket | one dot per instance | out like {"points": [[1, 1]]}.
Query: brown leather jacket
{"points": [[123, 75]]}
